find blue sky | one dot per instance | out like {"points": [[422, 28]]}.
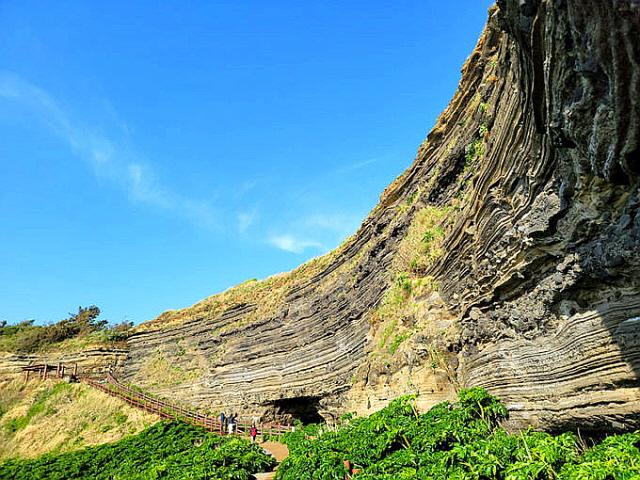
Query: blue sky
{"points": [[153, 154]]}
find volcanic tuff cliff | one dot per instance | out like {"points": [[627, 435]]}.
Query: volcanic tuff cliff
{"points": [[506, 256]]}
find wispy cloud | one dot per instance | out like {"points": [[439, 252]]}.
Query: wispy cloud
{"points": [[245, 220], [293, 244], [315, 232], [341, 224], [109, 158], [352, 167]]}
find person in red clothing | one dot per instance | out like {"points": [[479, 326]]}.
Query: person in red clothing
{"points": [[253, 432]]}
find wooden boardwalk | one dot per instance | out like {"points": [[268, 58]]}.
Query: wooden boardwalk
{"points": [[139, 399]]}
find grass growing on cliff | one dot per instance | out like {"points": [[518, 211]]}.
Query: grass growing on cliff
{"points": [[159, 371], [172, 450], [422, 245], [266, 295], [454, 441]]}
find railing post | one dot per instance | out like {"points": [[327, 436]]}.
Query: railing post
{"points": [[75, 369], [45, 372]]}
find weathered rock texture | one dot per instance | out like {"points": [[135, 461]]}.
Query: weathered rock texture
{"points": [[536, 164], [93, 361]]}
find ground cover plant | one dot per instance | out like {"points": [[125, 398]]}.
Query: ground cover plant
{"points": [[167, 450], [456, 441]]}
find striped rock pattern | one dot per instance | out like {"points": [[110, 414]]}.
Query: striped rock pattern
{"points": [[540, 266]]}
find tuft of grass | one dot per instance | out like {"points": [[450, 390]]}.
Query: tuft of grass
{"points": [[386, 333], [397, 341], [473, 152], [422, 245]]}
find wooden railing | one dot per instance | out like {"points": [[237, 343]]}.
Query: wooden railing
{"points": [[139, 399]]}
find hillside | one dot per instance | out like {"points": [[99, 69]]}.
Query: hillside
{"points": [[41, 417], [505, 257]]}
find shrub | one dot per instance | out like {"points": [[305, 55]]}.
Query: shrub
{"points": [[85, 324]]}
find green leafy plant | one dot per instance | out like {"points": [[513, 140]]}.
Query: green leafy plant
{"points": [[172, 450], [397, 341], [459, 441]]}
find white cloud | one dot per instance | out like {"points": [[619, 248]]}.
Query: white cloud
{"points": [[245, 220], [290, 243], [110, 160]]}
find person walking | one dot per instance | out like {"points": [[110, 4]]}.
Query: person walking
{"points": [[253, 432], [223, 420], [232, 423]]}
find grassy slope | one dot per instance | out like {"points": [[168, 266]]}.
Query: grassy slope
{"points": [[41, 417]]}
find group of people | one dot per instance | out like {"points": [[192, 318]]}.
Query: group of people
{"points": [[230, 425]]}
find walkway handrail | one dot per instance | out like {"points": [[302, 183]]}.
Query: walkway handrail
{"points": [[139, 399]]}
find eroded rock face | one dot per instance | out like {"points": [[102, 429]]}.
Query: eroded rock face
{"points": [[94, 361], [536, 162], [552, 293]]}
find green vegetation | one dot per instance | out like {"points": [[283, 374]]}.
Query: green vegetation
{"points": [[473, 153], [454, 441], [164, 451], [422, 245], [394, 319], [82, 328], [159, 371], [397, 340], [483, 130], [39, 406]]}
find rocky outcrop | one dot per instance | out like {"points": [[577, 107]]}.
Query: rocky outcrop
{"points": [[93, 361], [550, 300], [534, 289]]}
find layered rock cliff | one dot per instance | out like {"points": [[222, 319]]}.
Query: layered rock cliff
{"points": [[506, 256]]}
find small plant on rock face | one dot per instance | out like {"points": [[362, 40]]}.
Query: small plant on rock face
{"points": [[403, 282], [483, 130], [473, 152], [397, 341]]}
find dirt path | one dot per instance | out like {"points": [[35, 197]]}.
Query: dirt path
{"points": [[279, 452], [265, 476], [277, 449]]}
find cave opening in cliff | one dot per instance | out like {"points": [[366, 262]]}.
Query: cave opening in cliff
{"points": [[304, 409]]}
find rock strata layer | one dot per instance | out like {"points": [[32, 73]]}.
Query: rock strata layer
{"points": [[536, 163]]}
